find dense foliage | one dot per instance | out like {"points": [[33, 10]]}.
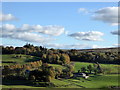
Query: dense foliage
{"points": [[59, 56], [46, 55], [106, 57], [36, 71]]}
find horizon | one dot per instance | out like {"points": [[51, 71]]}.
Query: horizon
{"points": [[62, 49]]}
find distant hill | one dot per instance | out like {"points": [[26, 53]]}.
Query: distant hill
{"points": [[116, 49]]}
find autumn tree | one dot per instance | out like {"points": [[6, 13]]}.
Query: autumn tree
{"points": [[65, 58], [58, 72]]}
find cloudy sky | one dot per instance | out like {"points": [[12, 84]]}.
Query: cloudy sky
{"points": [[62, 25]]}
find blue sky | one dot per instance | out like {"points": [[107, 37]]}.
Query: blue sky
{"points": [[64, 24]]}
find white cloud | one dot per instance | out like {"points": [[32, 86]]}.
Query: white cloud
{"points": [[9, 27], [65, 46], [25, 33], [107, 15], [32, 37], [88, 36], [116, 45], [71, 46], [52, 30], [116, 32], [83, 10], [98, 46], [7, 17]]}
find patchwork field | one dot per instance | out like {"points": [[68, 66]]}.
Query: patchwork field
{"points": [[94, 81]]}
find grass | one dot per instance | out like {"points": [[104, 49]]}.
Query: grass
{"points": [[64, 84], [21, 60], [95, 82], [98, 81], [57, 66], [91, 82], [112, 67], [18, 86]]}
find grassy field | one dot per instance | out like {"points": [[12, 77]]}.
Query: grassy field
{"points": [[21, 60], [79, 82], [98, 81], [112, 67], [57, 66], [92, 82], [18, 86]]}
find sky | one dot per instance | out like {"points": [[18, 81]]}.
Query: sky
{"points": [[61, 25]]}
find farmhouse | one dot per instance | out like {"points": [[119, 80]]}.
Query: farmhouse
{"points": [[84, 75]]}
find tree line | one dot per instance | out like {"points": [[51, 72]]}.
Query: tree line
{"points": [[59, 56], [101, 57]]}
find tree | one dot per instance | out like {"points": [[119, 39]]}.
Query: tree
{"points": [[49, 58], [57, 59], [32, 78], [70, 70], [58, 72], [97, 68], [90, 68], [83, 69], [51, 72], [65, 58], [7, 71], [44, 56]]}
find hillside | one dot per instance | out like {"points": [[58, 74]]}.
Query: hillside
{"points": [[24, 59], [101, 81], [115, 49], [17, 59], [59, 68]]}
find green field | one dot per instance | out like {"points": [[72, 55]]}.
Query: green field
{"points": [[19, 60], [94, 81], [112, 67]]}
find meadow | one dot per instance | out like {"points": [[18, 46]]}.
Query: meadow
{"points": [[98, 81], [111, 68], [102, 81], [94, 81], [12, 59]]}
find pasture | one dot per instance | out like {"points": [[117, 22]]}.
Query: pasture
{"points": [[110, 68], [94, 81], [98, 81], [17, 59]]}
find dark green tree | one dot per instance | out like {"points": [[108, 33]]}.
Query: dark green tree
{"points": [[83, 69], [90, 68]]}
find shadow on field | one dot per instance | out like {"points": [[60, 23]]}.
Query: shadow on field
{"points": [[32, 59], [95, 75], [16, 82]]}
